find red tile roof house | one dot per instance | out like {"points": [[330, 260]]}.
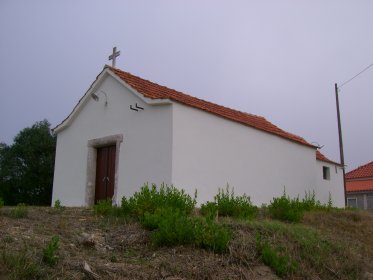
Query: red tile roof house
{"points": [[359, 187], [126, 131]]}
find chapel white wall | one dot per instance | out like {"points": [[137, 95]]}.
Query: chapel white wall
{"points": [[210, 151], [333, 185], [145, 153]]}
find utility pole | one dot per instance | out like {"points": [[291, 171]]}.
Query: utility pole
{"points": [[340, 142]]}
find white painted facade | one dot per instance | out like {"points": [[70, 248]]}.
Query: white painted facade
{"points": [[177, 144], [211, 152], [144, 154], [332, 185]]}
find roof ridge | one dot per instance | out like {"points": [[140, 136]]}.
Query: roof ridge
{"points": [[186, 94], [365, 170], [153, 90], [360, 167]]}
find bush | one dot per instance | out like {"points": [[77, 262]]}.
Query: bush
{"points": [[209, 210], [286, 209], [173, 227], [230, 205], [211, 235], [292, 210], [103, 207], [57, 204], [49, 252], [148, 200], [1, 202], [20, 211]]}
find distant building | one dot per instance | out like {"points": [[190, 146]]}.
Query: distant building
{"points": [[359, 185]]}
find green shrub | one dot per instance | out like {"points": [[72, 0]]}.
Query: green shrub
{"points": [[173, 227], [209, 210], [279, 262], [211, 235], [49, 252], [103, 207], [292, 210], [148, 200], [309, 202], [1, 202], [235, 206], [57, 204], [20, 211]]}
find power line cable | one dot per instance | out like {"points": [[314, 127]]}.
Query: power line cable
{"points": [[361, 72]]}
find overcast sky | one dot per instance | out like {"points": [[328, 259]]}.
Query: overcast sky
{"points": [[277, 59]]}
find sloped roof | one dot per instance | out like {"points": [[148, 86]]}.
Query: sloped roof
{"points": [[320, 156], [359, 186], [361, 172], [154, 91]]}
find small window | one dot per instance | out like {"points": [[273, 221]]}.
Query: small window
{"points": [[326, 173], [352, 202]]}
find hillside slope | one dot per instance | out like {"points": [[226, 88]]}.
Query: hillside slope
{"points": [[325, 245]]}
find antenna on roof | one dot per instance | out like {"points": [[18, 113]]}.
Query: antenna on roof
{"points": [[113, 56]]}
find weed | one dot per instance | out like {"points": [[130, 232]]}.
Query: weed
{"points": [[330, 202], [227, 204], [20, 211], [309, 201], [103, 207], [21, 265], [49, 252], [173, 227], [292, 210], [150, 199], [286, 209], [211, 235], [209, 210], [57, 204]]}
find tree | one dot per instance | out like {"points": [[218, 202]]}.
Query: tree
{"points": [[26, 167]]}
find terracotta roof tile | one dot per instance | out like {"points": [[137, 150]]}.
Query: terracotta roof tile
{"points": [[361, 172], [320, 156], [359, 186], [154, 91]]}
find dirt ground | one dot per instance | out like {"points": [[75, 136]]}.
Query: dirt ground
{"points": [[114, 249]]}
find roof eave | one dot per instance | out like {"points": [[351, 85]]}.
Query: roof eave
{"points": [[93, 87]]}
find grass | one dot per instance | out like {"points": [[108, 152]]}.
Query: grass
{"points": [[295, 249], [273, 256], [49, 252], [21, 265], [20, 211]]}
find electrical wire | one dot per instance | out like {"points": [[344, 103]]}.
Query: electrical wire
{"points": [[361, 72]]}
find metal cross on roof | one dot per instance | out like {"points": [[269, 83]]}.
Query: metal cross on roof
{"points": [[114, 56]]}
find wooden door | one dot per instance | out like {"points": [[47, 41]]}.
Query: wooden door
{"points": [[105, 173]]}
